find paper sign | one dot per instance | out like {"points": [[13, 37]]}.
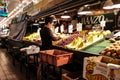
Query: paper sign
{"points": [[56, 29], [79, 26], [70, 28], [62, 28]]}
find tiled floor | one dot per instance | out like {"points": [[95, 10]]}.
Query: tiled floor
{"points": [[8, 71]]}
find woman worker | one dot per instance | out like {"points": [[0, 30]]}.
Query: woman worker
{"points": [[47, 35]]}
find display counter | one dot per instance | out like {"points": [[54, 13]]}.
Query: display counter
{"points": [[92, 50], [87, 42], [96, 48]]}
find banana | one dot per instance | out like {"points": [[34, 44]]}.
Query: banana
{"points": [[72, 44], [90, 39], [75, 43], [80, 46]]}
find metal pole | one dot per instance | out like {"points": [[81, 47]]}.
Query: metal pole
{"points": [[115, 13]]}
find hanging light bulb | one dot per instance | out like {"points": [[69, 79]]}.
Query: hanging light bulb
{"points": [[84, 10], [108, 4], [65, 15]]}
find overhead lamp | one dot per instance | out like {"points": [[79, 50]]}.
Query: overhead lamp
{"points": [[65, 15], [35, 1], [108, 4], [35, 23], [84, 10], [41, 21], [116, 4]]}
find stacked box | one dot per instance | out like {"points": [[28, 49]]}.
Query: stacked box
{"points": [[94, 69]]}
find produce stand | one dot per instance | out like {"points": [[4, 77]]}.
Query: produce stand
{"points": [[78, 56], [81, 44], [89, 53]]}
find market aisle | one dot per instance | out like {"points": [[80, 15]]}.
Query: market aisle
{"points": [[7, 70]]}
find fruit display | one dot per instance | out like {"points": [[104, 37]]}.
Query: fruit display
{"points": [[113, 50], [114, 39], [34, 37], [77, 43], [99, 34], [67, 40], [106, 59], [62, 36], [83, 39]]}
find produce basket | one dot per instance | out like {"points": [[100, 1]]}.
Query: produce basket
{"points": [[56, 57]]}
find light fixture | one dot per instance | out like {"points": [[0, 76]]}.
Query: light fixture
{"points": [[84, 10], [36, 1], [35, 23], [116, 4], [65, 15], [108, 4], [41, 21]]}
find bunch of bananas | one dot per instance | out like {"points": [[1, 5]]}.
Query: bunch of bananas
{"points": [[77, 44], [101, 34], [83, 32], [90, 39], [32, 36]]}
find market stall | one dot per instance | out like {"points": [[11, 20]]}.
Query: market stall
{"points": [[83, 35], [88, 37]]}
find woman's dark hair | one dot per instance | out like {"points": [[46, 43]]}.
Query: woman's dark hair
{"points": [[48, 19]]}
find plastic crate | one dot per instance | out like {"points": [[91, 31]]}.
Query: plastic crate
{"points": [[56, 57]]}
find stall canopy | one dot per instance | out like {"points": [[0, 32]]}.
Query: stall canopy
{"points": [[18, 30], [65, 5]]}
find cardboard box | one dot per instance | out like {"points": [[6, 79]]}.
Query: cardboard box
{"points": [[31, 49], [96, 70]]}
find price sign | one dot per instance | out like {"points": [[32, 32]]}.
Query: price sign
{"points": [[70, 28]]}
